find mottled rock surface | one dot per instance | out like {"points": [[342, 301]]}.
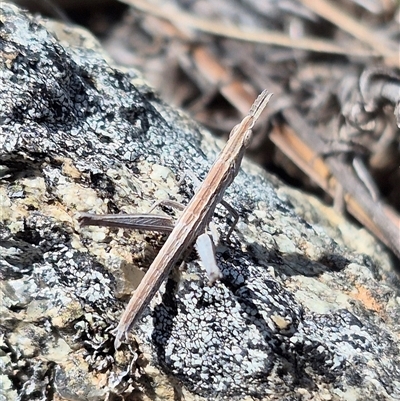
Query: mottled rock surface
{"points": [[307, 308]]}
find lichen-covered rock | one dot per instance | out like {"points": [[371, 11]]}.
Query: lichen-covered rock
{"points": [[302, 311]]}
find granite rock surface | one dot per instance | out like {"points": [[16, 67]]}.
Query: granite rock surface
{"points": [[307, 308]]}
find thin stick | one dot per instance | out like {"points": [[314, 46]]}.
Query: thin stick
{"points": [[194, 218]]}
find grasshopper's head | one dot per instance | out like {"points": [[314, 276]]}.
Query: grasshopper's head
{"points": [[241, 133]]}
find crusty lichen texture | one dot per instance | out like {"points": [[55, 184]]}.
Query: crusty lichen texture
{"points": [[298, 314]]}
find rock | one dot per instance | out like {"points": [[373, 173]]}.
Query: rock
{"points": [[304, 311]]}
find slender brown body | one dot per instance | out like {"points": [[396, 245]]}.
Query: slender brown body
{"points": [[194, 218]]}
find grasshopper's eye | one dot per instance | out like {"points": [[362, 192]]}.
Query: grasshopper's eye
{"points": [[234, 130]]}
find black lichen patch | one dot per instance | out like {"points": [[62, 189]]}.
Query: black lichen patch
{"points": [[58, 96], [34, 381], [222, 338], [18, 262]]}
